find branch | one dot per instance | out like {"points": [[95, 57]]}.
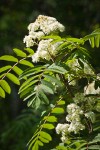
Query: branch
{"points": [[67, 86], [11, 68]]}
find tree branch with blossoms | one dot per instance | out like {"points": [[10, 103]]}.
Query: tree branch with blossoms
{"points": [[53, 82]]}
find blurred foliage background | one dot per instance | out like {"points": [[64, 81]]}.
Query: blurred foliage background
{"points": [[80, 17]]}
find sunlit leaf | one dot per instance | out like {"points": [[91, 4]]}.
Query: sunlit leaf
{"points": [[43, 139], [58, 110], [13, 78], [17, 70], [26, 63], [40, 143], [45, 135], [51, 118], [48, 126], [5, 68], [2, 93], [5, 86], [19, 52], [9, 58], [29, 50], [61, 102], [97, 41]]}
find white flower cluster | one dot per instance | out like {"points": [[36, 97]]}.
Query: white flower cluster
{"points": [[74, 122], [44, 25], [46, 50], [90, 89]]}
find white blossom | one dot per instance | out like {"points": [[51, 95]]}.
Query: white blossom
{"points": [[75, 127], [59, 128], [45, 50], [65, 127], [49, 24], [33, 26], [44, 25], [28, 40], [35, 57], [73, 108], [36, 35], [90, 89], [73, 122], [72, 117], [64, 139]]}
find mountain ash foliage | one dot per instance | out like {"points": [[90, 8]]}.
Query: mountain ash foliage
{"points": [[53, 81]]}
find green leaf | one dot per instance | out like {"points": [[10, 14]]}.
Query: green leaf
{"points": [[63, 46], [35, 147], [51, 118], [96, 139], [38, 101], [55, 37], [32, 141], [97, 147], [17, 70], [56, 68], [53, 79], [27, 86], [81, 63], [9, 58], [4, 68], [43, 139], [43, 97], [5, 86], [32, 71], [45, 135], [97, 40], [61, 102], [28, 81], [93, 34], [46, 89], [76, 40], [49, 84], [84, 51], [13, 78], [26, 63], [29, 95], [29, 50], [58, 110], [61, 147], [31, 102], [48, 126], [19, 52], [40, 143], [2, 93], [26, 92], [92, 42]]}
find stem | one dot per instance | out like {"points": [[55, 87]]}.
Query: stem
{"points": [[41, 126], [11, 68], [89, 125], [87, 146], [68, 86]]}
